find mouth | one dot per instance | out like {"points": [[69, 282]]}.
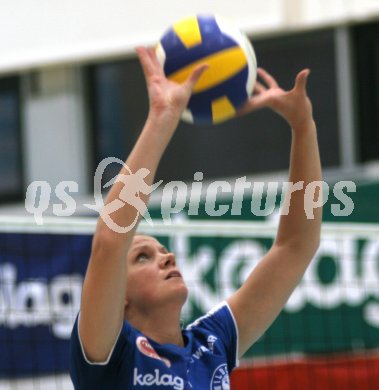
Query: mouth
{"points": [[173, 274]]}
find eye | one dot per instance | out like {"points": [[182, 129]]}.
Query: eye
{"points": [[141, 257]]}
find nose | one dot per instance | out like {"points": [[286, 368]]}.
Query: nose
{"points": [[167, 260]]}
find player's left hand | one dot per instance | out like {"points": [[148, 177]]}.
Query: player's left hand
{"points": [[293, 105]]}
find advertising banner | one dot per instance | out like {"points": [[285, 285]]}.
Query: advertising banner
{"points": [[335, 308]]}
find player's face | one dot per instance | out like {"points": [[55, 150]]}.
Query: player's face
{"points": [[152, 275]]}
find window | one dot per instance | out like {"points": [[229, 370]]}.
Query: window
{"points": [[11, 179], [366, 40], [118, 106]]}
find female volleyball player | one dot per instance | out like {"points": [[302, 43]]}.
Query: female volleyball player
{"points": [[128, 332]]}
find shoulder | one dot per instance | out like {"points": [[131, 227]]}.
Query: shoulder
{"points": [[115, 370], [125, 337], [220, 315], [218, 330]]}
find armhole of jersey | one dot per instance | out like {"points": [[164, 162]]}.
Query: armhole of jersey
{"points": [[237, 362], [110, 353]]}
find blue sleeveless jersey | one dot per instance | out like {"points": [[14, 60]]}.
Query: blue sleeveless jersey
{"points": [[137, 362]]}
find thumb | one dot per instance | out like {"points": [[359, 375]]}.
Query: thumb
{"points": [[194, 77], [302, 79]]}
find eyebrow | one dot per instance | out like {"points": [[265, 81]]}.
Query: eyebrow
{"points": [[161, 248], [139, 247]]}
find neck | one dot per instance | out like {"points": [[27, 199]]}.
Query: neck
{"points": [[162, 326]]}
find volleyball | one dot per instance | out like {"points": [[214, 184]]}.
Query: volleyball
{"points": [[232, 67]]}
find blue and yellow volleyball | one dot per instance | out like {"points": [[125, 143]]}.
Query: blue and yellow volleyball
{"points": [[232, 67]]}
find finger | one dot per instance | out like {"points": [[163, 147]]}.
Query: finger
{"points": [[153, 57], [257, 102], [145, 60], [267, 78], [158, 68], [259, 88], [196, 74], [254, 103], [302, 79]]}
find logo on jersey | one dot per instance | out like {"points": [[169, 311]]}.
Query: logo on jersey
{"points": [[156, 379], [211, 340], [145, 347], [220, 378], [199, 352]]}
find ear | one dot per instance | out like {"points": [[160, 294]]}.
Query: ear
{"points": [[126, 307]]}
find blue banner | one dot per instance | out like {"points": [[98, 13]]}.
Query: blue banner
{"points": [[41, 278]]}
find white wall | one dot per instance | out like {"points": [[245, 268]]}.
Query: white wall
{"points": [[49, 31], [41, 32], [55, 146], [332, 11]]}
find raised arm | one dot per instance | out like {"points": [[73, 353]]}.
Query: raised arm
{"points": [[261, 298], [104, 289]]}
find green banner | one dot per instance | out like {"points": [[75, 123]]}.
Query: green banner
{"points": [[336, 306]]}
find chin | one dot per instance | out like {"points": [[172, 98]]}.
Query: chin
{"points": [[181, 293]]}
